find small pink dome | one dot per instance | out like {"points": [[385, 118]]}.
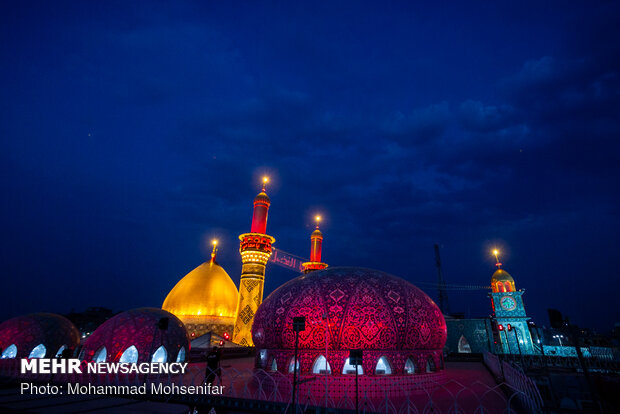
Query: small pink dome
{"points": [[367, 309], [139, 328]]}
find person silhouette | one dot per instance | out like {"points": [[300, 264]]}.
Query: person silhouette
{"points": [[213, 365]]}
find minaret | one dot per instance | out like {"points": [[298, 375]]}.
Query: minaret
{"points": [[316, 244], [255, 249]]}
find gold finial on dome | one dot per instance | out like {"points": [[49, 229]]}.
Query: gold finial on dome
{"points": [[265, 181], [318, 220], [497, 262], [214, 252]]}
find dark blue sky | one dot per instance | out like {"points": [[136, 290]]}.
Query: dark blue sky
{"points": [[133, 133]]}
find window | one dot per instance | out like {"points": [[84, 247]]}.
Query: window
{"points": [[60, 351], [350, 369], [263, 357], [130, 355], [500, 287], [160, 355], [274, 365], [508, 287], [181, 355], [464, 347], [9, 352], [409, 366], [321, 366], [38, 351], [430, 365], [383, 367], [100, 355], [291, 367]]}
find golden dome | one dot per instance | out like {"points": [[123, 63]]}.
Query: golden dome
{"points": [[205, 292], [501, 275], [316, 233]]}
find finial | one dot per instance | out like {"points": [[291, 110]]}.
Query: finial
{"points": [[496, 254], [265, 181], [318, 220], [214, 252]]}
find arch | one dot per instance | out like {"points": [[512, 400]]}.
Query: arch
{"points": [[508, 287], [321, 366], [350, 369], [160, 355], [464, 347], [10, 352], [430, 364], [292, 365], [181, 355], [100, 355], [262, 354], [500, 287], [38, 351], [274, 365], [129, 355], [410, 366], [383, 366]]}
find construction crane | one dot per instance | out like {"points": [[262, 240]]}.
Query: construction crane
{"points": [[441, 284]]}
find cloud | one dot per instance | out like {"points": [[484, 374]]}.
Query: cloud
{"points": [[420, 126], [476, 116]]}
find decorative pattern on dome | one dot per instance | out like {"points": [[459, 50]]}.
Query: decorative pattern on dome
{"points": [[28, 331], [139, 328], [366, 309]]}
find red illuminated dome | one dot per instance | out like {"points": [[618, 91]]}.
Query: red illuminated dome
{"points": [[138, 335], [389, 318], [37, 335]]}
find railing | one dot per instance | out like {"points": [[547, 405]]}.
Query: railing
{"points": [[432, 393], [527, 392]]}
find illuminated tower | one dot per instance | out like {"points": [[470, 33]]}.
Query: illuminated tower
{"points": [[316, 244], [511, 329], [255, 249]]}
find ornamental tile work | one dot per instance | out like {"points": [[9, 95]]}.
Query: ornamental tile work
{"points": [[366, 309], [138, 327], [28, 331]]}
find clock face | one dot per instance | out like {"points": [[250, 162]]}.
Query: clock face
{"points": [[508, 303]]}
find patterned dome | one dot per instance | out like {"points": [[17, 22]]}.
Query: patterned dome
{"points": [[367, 309], [138, 328], [30, 331]]}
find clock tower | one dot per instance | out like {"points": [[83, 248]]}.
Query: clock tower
{"points": [[511, 330]]}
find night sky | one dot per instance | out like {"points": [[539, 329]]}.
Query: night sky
{"points": [[132, 134]]}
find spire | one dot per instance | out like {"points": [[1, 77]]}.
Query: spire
{"points": [[214, 252], [497, 262], [261, 209], [316, 246]]}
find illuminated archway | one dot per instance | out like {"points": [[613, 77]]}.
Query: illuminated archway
{"points": [[319, 366], [410, 366], [383, 366], [464, 347]]}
